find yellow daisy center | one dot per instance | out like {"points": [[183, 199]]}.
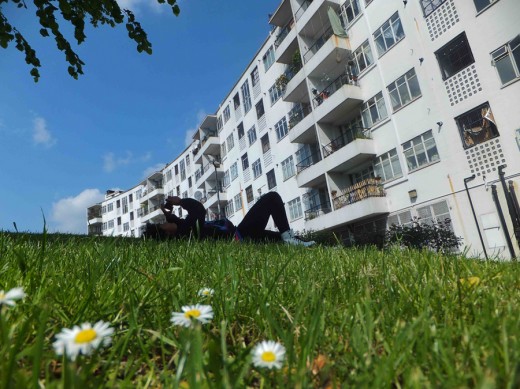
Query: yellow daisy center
{"points": [[206, 292], [2, 295], [192, 313], [268, 356], [85, 336]]}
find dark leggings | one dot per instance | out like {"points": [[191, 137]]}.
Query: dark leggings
{"points": [[254, 223]]}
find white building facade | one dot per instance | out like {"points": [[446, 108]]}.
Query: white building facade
{"points": [[362, 114]]}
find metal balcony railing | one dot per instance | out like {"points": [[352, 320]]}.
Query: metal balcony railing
{"points": [[298, 113], [350, 135], [283, 34], [94, 214], [317, 45], [329, 90], [300, 11], [371, 187], [209, 134], [318, 210], [307, 162]]}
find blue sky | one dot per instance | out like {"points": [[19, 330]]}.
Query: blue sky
{"points": [[64, 142]]}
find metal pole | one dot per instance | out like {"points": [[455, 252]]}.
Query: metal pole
{"points": [[502, 220], [510, 206], [474, 215]]}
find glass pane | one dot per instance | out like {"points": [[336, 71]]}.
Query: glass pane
{"points": [[420, 154], [398, 30], [431, 150], [387, 169], [381, 107], [413, 83], [389, 37], [374, 114], [394, 99], [505, 69], [481, 4], [380, 44], [403, 92], [396, 166], [410, 159], [368, 53]]}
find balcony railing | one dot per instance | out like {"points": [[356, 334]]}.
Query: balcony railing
{"points": [[283, 34], [307, 162], [371, 187], [329, 90], [318, 210], [317, 45], [298, 113], [94, 214], [350, 135], [209, 134], [300, 11]]}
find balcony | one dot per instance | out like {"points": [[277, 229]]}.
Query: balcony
{"points": [[212, 200], [329, 58], [349, 150], [336, 100], [152, 214], [296, 88], [312, 15], [209, 145], [286, 45], [282, 15], [317, 211], [205, 173], [301, 125], [310, 174], [94, 215], [363, 200]]}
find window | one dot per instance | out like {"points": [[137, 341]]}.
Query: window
{"points": [[349, 11], [245, 162], [363, 57], [249, 194], [131, 198], [219, 123], [138, 194], [374, 110], [226, 180], [223, 150], [126, 226], [238, 202], [246, 96], [275, 93], [111, 223], [400, 219], [288, 168], [234, 171], [387, 166], [420, 151], [257, 168], [271, 179], [229, 208], [227, 114], [506, 59], [104, 209], [266, 146], [110, 207], [176, 170], [189, 182], [428, 6], [251, 135], [404, 89], [183, 170], [388, 34], [363, 174], [434, 213], [169, 175], [481, 4], [240, 131], [236, 101], [295, 209], [255, 77], [125, 204], [454, 56], [268, 58], [188, 160], [178, 190], [477, 126], [119, 221], [230, 141], [367, 2], [281, 129], [184, 194], [260, 109]]}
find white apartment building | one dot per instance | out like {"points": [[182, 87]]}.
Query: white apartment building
{"points": [[362, 114]]}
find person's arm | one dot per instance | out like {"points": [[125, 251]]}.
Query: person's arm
{"points": [[167, 209], [196, 214]]}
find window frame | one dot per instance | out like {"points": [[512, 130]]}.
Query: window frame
{"points": [[281, 128], [432, 5], [389, 24], [288, 168], [257, 168], [361, 52], [414, 145], [295, 209], [471, 117], [508, 52], [374, 105], [404, 80], [271, 178], [251, 135], [456, 61], [388, 159]]}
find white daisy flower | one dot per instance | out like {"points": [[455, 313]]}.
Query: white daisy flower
{"points": [[201, 313], [82, 339], [10, 297], [268, 354], [206, 292]]}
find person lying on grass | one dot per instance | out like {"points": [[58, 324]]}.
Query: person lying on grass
{"points": [[252, 227]]}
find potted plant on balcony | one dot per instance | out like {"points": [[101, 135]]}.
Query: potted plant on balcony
{"points": [[296, 63], [282, 81]]}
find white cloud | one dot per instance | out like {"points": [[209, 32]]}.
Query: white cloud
{"points": [[69, 215], [41, 135], [152, 169], [111, 162], [137, 5]]}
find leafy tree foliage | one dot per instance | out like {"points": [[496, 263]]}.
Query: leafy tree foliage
{"points": [[77, 13]]}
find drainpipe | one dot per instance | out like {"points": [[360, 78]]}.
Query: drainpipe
{"points": [[516, 206], [510, 205], [502, 220], [466, 180]]}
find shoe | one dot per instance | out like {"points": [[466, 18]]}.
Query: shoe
{"points": [[289, 238]]}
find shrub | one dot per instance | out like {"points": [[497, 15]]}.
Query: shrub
{"points": [[439, 237]]}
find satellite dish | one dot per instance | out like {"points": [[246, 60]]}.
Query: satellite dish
{"points": [[197, 195]]}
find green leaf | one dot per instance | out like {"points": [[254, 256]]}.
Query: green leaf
{"points": [[44, 32]]}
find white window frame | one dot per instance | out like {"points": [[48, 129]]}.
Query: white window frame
{"points": [[281, 128], [251, 135], [295, 209], [387, 166], [234, 171], [257, 168], [226, 114], [429, 6], [275, 93], [423, 144], [506, 52], [363, 55], [402, 90], [268, 58], [238, 202], [246, 96], [355, 11], [230, 140], [393, 28], [288, 168], [374, 107]]}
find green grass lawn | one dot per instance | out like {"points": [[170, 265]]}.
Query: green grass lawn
{"points": [[346, 317]]}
